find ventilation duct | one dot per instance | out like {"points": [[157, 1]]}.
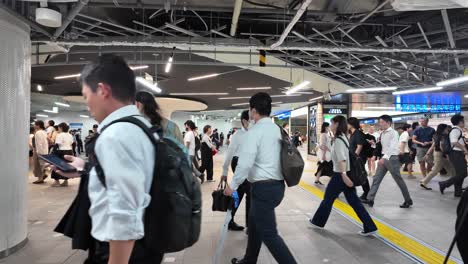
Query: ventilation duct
{"points": [[413, 5]]}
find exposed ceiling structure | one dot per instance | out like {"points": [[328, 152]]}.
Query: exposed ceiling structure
{"points": [[335, 44]]}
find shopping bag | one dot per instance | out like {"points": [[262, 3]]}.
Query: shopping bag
{"points": [[221, 202]]}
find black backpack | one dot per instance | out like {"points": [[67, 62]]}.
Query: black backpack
{"points": [[445, 144], [292, 164], [358, 173], [173, 218]]}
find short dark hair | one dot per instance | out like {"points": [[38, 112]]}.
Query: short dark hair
{"points": [[440, 129], [324, 127], [64, 127], [51, 123], [261, 102], [386, 118], [245, 115], [31, 130], [40, 124], [285, 124], [414, 125], [113, 71], [206, 128], [95, 126], [342, 127], [190, 124], [457, 119], [354, 122], [405, 127]]}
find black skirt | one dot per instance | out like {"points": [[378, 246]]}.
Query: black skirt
{"points": [[326, 167]]}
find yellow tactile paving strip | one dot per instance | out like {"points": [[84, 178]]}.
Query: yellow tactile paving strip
{"points": [[402, 241]]}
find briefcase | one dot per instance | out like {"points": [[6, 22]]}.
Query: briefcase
{"points": [[221, 202]]}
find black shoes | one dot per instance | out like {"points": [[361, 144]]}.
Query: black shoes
{"points": [[239, 261], [318, 183], [442, 188], [363, 197], [407, 204], [370, 203], [233, 226], [202, 178], [425, 187]]}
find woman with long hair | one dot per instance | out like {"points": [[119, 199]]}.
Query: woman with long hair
{"points": [[341, 183], [325, 164], [441, 160]]}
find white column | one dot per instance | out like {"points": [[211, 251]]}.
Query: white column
{"points": [[15, 75]]}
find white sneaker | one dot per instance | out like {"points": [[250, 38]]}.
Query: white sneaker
{"points": [[366, 234]]}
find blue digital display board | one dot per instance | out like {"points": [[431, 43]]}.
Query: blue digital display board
{"points": [[447, 102], [283, 115]]}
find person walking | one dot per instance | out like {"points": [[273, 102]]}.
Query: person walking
{"points": [[190, 144], [441, 160], [389, 162], [325, 164], [341, 183], [456, 156], [422, 137], [232, 158], [64, 142], [41, 147], [357, 144], [221, 137], [207, 149], [260, 164], [372, 141], [405, 157]]}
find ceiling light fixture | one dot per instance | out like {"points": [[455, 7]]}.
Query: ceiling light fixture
{"points": [[373, 89], [249, 103], [466, 95], [453, 81], [316, 98], [253, 88], [199, 94], [84, 116], [134, 68], [169, 64], [39, 88], [153, 87], [419, 90], [203, 77], [298, 87], [39, 115], [62, 104]]}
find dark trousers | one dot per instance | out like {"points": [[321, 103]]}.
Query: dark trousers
{"points": [[207, 165], [334, 188], [366, 185], [80, 148], [457, 158], [99, 254], [244, 189], [266, 196], [462, 227]]}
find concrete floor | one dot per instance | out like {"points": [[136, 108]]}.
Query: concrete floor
{"points": [[430, 220]]}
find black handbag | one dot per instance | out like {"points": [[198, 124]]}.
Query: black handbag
{"points": [[221, 202]]}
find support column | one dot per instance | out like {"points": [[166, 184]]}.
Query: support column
{"points": [[15, 87]]}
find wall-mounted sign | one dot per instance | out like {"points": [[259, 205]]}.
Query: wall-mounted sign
{"points": [[447, 102], [283, 115], [335, 109]]}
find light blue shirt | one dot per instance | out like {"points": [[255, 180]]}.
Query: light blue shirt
{"points": [[259, 157], [127, 157]]}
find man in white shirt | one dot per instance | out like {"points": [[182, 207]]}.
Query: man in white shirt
{"points": [[232, 158], [389, 162], [260, 164], [41, 147], [457, 156], [126, 157], [190, 143]]}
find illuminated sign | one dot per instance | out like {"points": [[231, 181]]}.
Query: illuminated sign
{"points": [[447, 102], [283, 115], [335, 109]]}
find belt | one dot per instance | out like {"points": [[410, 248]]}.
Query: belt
{"points": [[266, 181]]}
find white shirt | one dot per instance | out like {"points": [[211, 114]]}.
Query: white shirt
{"points": [[325, 141], [456, 135], [259, 157], [390, 140], [237, 140], [42, 144], [190, 138], [340, 152], [127, 157], [50, 129], [377, 136], [64, 141], [207, 140], [404, 137]]}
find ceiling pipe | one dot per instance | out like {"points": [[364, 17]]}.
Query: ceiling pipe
{"points": [[235, 16], [293, 22], [369, 15], [71, 15]]}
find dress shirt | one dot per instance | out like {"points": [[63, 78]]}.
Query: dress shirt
{"points": [[390, 143], [207, 140], [456, 135], [234, 148], [42, 144], [259, 157], [64, 141], [127, 156], [404, 138]]}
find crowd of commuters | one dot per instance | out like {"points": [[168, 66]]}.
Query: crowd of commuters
{"points": [[125, 155]]}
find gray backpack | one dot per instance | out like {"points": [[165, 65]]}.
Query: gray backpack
{"points": [[292, 164]]}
